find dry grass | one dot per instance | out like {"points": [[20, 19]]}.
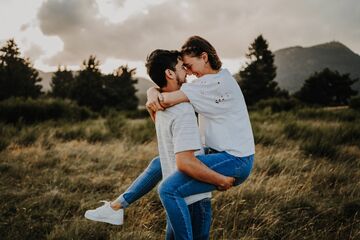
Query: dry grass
{"points": [[47, 181]]}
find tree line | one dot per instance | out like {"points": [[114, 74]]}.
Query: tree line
{"points": [[89, 87]]}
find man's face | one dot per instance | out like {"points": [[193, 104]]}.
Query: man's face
{"points": [[180, 72]]}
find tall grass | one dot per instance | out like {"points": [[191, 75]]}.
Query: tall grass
{"points": [[52, 172]]}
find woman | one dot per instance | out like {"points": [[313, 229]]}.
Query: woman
{"points": [[224, 126]]}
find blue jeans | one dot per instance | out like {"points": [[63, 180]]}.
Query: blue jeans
{"points": [[176, 187], [200, 213], [143, 184]]}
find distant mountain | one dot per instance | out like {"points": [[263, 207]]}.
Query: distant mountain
{"points": [[296, 64], [142, 85]]}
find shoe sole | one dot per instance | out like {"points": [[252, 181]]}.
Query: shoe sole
{"points": [[105, 220]]}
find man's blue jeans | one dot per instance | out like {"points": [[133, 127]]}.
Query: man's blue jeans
{"points": [[176, 187], [200, 213]]}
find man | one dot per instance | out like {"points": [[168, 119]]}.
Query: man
{"points": [[178, 139]]}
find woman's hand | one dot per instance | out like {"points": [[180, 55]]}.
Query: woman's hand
{"points": [[153, 102], [152, 114]]}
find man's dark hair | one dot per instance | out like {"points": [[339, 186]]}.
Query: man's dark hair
{"points": [[158, 61], [196, 45]]}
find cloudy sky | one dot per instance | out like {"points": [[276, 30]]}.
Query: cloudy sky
{"points": [[121, 32]]}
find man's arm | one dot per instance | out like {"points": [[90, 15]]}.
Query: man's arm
{"points": [[187, 163]]}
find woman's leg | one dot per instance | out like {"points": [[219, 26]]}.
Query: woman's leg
{"points": [[146, 181], [175, 188]]}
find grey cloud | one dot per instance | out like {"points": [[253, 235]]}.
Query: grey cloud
{"points": [[24, 27], [119, 3], [34, 52], [230, 26]]}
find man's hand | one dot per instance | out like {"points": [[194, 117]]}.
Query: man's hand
{"points": [[228, 183], [187, 163], [153, 96]]}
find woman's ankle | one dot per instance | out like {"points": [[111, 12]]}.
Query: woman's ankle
{"points": [[115, 205]]}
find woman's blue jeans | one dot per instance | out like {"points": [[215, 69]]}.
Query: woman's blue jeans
{"points": [[143, 184], [176, 187]]}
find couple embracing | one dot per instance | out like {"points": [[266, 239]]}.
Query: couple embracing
{"points": [[194, 160]]}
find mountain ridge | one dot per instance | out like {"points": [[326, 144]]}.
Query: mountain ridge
{"points": [[296, 64]]}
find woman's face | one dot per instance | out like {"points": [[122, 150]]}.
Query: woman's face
{"points": [[194, 65]]}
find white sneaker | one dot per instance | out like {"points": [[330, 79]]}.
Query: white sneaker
{"points": [[106, 214]]}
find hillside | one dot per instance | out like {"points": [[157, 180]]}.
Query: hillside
{"points": [[295, 64]]}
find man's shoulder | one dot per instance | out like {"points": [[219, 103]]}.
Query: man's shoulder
{"points": [[180, 109], [176, 111]]}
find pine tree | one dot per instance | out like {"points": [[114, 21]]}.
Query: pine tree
{"points": [[62, 83], [17, 76], [88, 88], [327, 88], [257, 78], [120, 90]]}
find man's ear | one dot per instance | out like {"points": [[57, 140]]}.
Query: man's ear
{"points": [[169, 74]]}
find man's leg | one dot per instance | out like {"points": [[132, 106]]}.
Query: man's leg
{"points": [[200, 213], [169, 230], [175, 188], [146, 181]]}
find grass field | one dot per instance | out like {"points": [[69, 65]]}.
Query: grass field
{"points": [[305, 183]]}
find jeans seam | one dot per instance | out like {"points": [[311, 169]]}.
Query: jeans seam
{"points": [[183, 218]]}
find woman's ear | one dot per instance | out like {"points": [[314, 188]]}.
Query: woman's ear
{"points": [[205, 57]]}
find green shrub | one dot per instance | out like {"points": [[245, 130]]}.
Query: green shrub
{"points": [[97, 136], [355, 103], [140, 132], [348, 133], [68, 134], [137, 114], [29, 110], [3, 144], [116, 124], [320, 147], [28, 137], [351, 209], [277, 104], [296, 131], [261, 136], [347, 115]]}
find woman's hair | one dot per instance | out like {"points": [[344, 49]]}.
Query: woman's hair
{"points": [[158, 61], [196, 45]]}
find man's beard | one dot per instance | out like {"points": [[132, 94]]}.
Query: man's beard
{"points": [[179, 82]]}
